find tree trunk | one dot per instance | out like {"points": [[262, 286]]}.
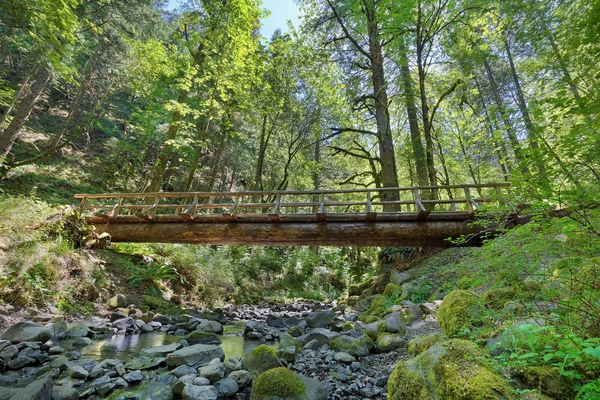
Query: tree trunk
{"points": [[413, 123], [389, 174], [217, 159], [258, 183], [531, 129], [512, 135], [9, 135], [190, 178], [165, 153]]}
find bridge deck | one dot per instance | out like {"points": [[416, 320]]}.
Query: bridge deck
{"points": [[415, 216]]}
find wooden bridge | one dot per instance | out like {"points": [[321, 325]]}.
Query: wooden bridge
{"points": [[403, 216]]}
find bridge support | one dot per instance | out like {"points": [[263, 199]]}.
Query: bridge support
{"points": [[383, 234]]}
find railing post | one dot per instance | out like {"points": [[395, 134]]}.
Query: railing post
{"points": [[371, 216], [274, 215], [321, 216], [419, 208], [231, 214], [469, 203], [82, 205]]}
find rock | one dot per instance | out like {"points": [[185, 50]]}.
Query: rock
{"points": [[133, 377], [118, 301], [58, 330], [8, 353], [182, 383], [260, 360], [450, 370], [109, 348], [77, 372], [283, 384], [41, 389], [64, 392], [61, 363], [27, 332], [213, 371], [226, 387], [191, 392], [286, 340], [184, 370], [143, 363], [79, 330], [160, 351], [547, 379], [394, 324], [163, 319], [460, 310], [82, 342], [319, 319], [197, 354], [421, 344], [387, 342], [356, 347], [323, 336], [203, 337], [56, 350], [431, 308], [200, 381], [399, 278], [21, 362], [344, 357], [241, 377], [288, 354], [210, 326], [124, 324]]}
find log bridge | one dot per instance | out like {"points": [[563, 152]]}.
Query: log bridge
{"points": [[421, 216]]}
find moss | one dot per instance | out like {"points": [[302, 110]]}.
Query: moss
{"points": [[547, 379], [381, 327], [459, 312], [387, 342], [356, 347], [390, 289], [352, 300], [196, 337], [278, 382], [348, 326], [378, 302], [452, 370], [152, 302], [295, 331], [261, 359], [421, 344], [367, 319], [354, 290], [496, 298]]}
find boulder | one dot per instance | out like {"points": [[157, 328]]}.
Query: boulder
{"points": [[192, 392], [421, 344], [387, 342], [196, 354], [124, 324], [260, 359], [210, 326], [394, 324], [451, 370], [321, 335], [142, 363], [283, 384], [64, 392], [319, 319], [199, 336], [79, 330], [41, 389], [344, 358], [226, 387], [356, 347], [213, 371], [241, 377], [118, 301], [399, 278], [286, 340], [459, 312], [160, 351], [109, 347], [27, 332]]}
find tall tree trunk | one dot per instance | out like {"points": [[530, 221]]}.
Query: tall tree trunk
{"points": [[9, 135], [258, 183], [510, 131], [531, 129], [389, 174], [217, 158], [413, 123], [161, 165]]}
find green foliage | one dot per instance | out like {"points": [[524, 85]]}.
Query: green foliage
{"points": [[460, 311], [279, 382]]}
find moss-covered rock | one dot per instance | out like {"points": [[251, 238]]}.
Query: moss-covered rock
{"points": [[547, 379], [421, 344], [295, 331], [387, 342], [459, 312], [390, 289], [152, 302], [261, 359], [348, 326], [368, 319], [496, 298], [353, 300], [202, 337], [354, 290], [356, 347], [278, 383], [452, 370]]}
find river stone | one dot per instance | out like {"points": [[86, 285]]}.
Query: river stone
{"points": [[109, 348], [323, 336], [79, 330], [210, 326], [118, 301], [157, 351], [398, 278], [214, 371], [8, 352], [191, 392], [77, 372], [199, 336], [241, 377], [394, 324], [200, 381], [354, 346], [21, 362], [388, 341], [286, 340], [61, 363], [27, 332], [143, 363], [133, 377], [226, 387], [197, 354], [58, 330], [38, 390], [124, 323], [319, 319], [315, 390], [344, 357], [184, 370], [56, 350], [182, 383], [64, 392], [163, 319], [82, 342]]}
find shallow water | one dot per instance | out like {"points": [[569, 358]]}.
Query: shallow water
{"points": [[130, 345]]}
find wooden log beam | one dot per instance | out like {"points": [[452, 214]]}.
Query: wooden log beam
{"points": [[412, 234]]}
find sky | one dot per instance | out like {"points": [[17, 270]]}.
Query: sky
{"points": [[281, 11]]}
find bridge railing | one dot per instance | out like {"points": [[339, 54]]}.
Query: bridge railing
{"points": [[419, 201]]}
